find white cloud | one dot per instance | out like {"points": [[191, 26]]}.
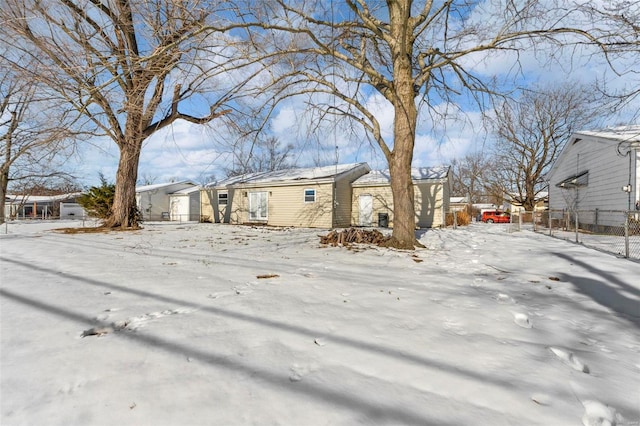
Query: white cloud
{"points": [[187, 151]]}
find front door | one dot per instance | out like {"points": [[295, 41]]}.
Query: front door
{"points": [[258, 206], [366, 210]]}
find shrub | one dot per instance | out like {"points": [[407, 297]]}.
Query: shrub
{"points": [[97, 201], [463, 218]]}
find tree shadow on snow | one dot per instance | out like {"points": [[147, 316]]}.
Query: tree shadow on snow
{"points": [[607, 292], [371, 409]]}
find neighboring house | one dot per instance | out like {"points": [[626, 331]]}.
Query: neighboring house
{"points": [[62, 206], [306, 197], [598, 170], [373, 201], [457, 204], [185, 204], [154, 201], [541, 199]]}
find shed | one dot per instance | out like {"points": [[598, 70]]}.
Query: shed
{"points": [[185, 204], [154, 201], [317, 197], [372, 202], [457, 204], [597, 170]]}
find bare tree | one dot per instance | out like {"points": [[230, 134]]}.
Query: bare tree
{"points": [[128, 67], [410, 55], [618, 31], [32, 143], [470, 176], [260, 156], [530, 132]]}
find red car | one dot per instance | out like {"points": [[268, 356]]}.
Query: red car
{"points": [[495, 216]]}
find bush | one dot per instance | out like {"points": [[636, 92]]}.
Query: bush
{"points": [[97, 201], [463, 218]]}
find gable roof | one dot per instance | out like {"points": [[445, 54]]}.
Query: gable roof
{"points": [[418, 175], [614, 135], [618, 134], [155, 186], [458, 200], [187, 191], [295, 175]]}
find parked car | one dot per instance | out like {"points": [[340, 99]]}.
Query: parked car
{"points": [[495, 216]]}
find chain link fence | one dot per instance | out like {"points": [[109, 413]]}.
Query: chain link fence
{"points": [[613, 231]]}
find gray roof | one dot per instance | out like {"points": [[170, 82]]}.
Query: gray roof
{"points": [[418, 174], [290, 175]]}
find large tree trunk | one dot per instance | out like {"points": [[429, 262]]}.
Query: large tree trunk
{"points": [[404, 131], [124, 212], [404, 217]]}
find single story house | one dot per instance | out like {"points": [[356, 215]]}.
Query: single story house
{"points": [[513, 206], [61, 206], [154, 201], [305, 197], [373, 201], [599, 172]]}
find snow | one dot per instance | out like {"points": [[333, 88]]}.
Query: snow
{"points": [[481, 327], [155, 186], [417, 174], [621, 133], [290, 175]]}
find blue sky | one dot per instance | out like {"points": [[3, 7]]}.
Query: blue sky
{"points": [[190, 152]]}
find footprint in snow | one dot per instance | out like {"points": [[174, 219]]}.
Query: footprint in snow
{"points": [[571, 360], [599, 414], [243, 289], [522, 320], [455, 327], [504, 298], [478, 282], [299, 371]]}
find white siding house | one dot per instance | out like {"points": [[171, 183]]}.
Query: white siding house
{"points": [[317, 197], [373, 200], [154, 201], [598, 170], [43, 206]]}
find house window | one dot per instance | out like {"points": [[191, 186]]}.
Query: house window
{"points": [[223, 198], [309, 195]]}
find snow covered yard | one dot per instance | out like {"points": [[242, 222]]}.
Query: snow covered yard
{"points": [[170, 325]]}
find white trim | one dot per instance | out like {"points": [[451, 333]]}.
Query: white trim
{"points": [[259, 212], [304, 195], [226, 198]]}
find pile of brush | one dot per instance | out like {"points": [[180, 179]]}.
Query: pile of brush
{"points": [[353, 236]]}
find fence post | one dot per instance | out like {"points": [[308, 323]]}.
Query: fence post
{"points": [[455, 219], [550, 222], [626, 234], [577, 240]]}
